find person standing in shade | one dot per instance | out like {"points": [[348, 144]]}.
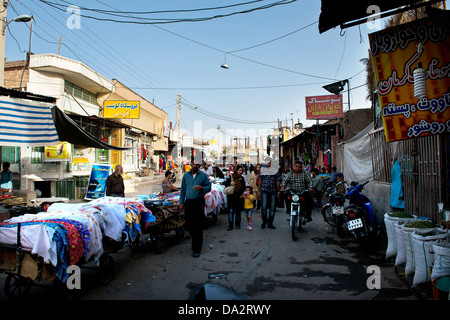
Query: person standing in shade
{"points": [[114, 183], [269, 184], [194, 185], [6, 177], [317, 186]]}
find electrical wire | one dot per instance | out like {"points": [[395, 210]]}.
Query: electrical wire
{"points": [[163, 11], [141, 20]]}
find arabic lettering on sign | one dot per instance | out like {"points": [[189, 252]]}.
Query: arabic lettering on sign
{"points": [[396, 52], [324, 107], [423, 126], [424, 104], [126, 105], [121, 109], [433, 73], [403, 35]]}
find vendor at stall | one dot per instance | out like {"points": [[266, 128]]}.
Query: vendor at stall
{"points": [[7, 177], [114, 183], [167, 185]]}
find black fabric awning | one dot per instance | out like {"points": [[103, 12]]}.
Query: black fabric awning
{"points": [[338, 12], [68, 130]]}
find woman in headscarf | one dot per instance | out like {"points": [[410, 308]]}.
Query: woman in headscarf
{"points": [[235, 202], [253, 182]]}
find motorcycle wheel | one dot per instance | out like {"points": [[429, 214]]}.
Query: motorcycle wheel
{"points": [[329, 217], [294, 227]]}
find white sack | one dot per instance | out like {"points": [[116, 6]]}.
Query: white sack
{"points": [[389, 223], [407, 234], [400, 240], [424, 254], [441, 267]]}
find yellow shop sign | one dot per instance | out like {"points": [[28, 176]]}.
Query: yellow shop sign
{"points": [[122, 109]]}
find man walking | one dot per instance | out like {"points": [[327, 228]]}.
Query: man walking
{"points": [[269, 184], [114, 183], [194, 185]]}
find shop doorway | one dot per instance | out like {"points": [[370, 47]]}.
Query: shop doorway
{"points": [[44, 187]]}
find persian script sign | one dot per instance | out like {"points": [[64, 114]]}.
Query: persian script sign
{"points": [[324, 107], [121, 109], [395, 54]]}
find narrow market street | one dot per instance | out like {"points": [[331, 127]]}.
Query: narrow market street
{"points": [[262, 264]]}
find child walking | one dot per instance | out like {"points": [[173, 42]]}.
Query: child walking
{"points": [[248, 206]]}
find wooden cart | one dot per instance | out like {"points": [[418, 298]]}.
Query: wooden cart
{"points": [[168, 218], [25, 269]]}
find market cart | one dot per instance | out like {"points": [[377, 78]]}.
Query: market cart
{"points": [[168, 219], [25, 269]]}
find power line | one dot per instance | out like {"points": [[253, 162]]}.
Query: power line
{"points": [[164, 11], [278, 38], [223, 51], [142, 20]]}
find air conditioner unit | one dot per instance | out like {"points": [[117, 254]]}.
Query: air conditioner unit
{"points": [[155, 138]]}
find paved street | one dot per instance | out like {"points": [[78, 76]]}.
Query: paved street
{"points": [[262, 264]]}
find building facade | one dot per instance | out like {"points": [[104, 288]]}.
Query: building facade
{"points": [[81, 93]]}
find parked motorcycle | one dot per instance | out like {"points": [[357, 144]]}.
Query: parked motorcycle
{"points": [[359, 214], [334, 208], [301, 204]]}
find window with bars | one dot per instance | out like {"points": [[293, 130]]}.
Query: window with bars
{"points": [[37, 154], [80, 93], [10, 154]]}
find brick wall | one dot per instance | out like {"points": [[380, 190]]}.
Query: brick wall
{"points": [[13, 73]]}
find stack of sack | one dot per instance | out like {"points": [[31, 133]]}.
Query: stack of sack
{"points": [[418, 244]]}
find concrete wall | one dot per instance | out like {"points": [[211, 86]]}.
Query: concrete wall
{"points": [[379, 195]]}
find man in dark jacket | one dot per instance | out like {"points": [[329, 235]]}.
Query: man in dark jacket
{"points": [[114, 183]]}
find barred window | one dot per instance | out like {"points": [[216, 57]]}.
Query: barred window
{"points": [[80, 93]]}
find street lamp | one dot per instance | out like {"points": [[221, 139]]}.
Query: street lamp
{"points": [[21, 18], [225, 65], [337, 88]]}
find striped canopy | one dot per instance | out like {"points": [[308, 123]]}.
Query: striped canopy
{"points": [[26, 123]]}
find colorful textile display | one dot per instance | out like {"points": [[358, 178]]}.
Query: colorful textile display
{"points": [[70, 233]]}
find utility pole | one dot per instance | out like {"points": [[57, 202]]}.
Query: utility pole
{"points": [[3, 8], [180, 164], [219, 149]]}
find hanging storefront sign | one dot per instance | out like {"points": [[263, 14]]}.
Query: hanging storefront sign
{"points": [[324, 107], [121, 109], [56, 153], [97, 181], [412, 70]]}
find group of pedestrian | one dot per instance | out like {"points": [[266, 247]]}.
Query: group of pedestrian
{"points": [[262, 192]]}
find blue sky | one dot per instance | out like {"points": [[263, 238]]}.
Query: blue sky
{"points": [[263, 84]]}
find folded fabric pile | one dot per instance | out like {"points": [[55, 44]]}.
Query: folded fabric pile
{"points": [[71, 233]]}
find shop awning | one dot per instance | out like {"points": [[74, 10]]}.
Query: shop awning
{"points": [[68, 130], [346, 13], [33, 120], [26, 123]]}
